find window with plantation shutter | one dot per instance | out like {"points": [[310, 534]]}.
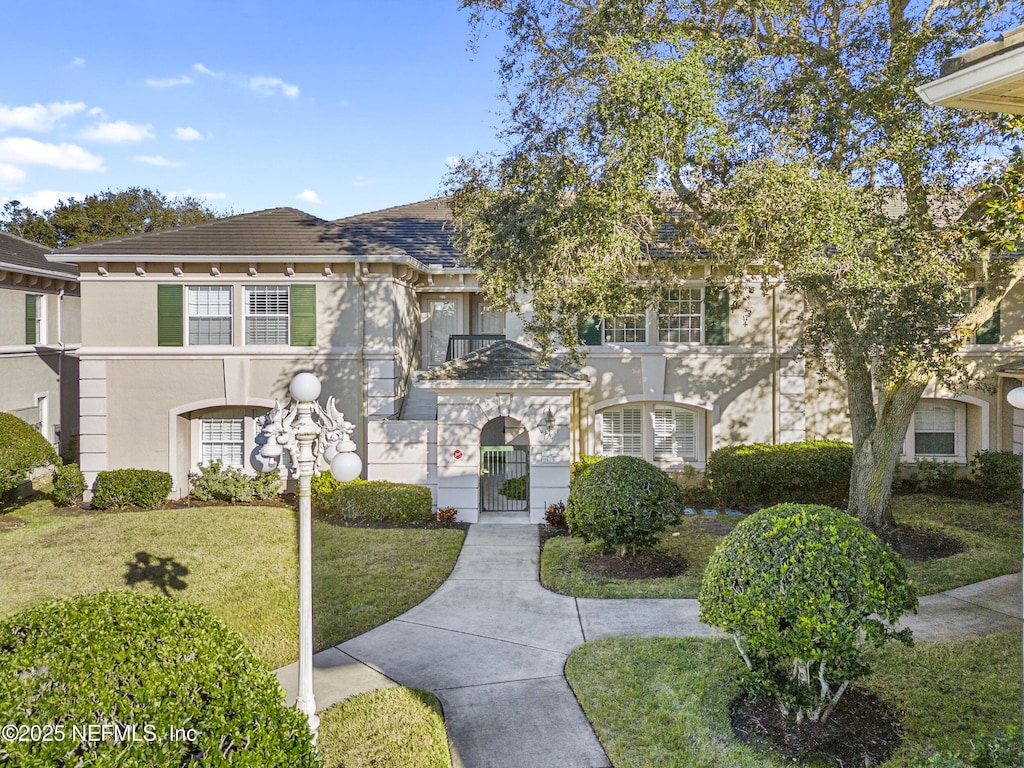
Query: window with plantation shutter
{"points": [[267, 314], [622, 431], [302, 299], [209, 315], [675, 433]]}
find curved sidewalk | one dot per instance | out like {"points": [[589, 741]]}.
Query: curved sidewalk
{"points": [[491, 643]]}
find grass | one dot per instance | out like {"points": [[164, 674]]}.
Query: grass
{"points": [[663, 701], [991, 534], [390, 728], [239, 562]]}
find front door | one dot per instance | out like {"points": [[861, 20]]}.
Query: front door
{"points": [[504, 478], [444, 322]]}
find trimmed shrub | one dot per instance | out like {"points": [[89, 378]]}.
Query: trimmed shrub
{"points": [[803, 589], [623, 502], [171, 684], [68, 485], [998, 475], [131, 488], [22, 449], [373, 501], [216, 482], [811, 472]]}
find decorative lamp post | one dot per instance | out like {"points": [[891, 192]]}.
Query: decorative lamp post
{"points": [[1015, 397], [311, 434]]}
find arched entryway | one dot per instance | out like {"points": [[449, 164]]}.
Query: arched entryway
{"points": [[504, 466]]}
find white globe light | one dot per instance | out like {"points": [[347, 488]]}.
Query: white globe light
{"points": [[345, 467], [262, 463], [305, 387], [330, 452], [1015, 397]]}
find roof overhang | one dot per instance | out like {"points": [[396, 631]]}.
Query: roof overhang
{"points": [[989, 82], [402, 259], [506, 384]]}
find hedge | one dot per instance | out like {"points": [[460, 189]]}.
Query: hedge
{"points": [[371, 501], [22, 449], [131, 488], [68, 485], [117, 679], [758, 475]]}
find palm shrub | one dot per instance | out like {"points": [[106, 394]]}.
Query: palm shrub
{"points": [[803, 589], [189, 687], [623, 503], [22, 449]]}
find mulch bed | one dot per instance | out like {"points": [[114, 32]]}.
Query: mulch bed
{"points": [[862, 731], [916, 543], [649, 564]]}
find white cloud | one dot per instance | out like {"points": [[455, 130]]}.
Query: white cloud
{"points": [[308, 196], [168, 82], [362, 181], [158, 160], [118, 132], [10, 175], [206, 71], [38, 117], [45, 199], [199, 195], [187, 134], [268, 86], [22, 151], [77, 63]]}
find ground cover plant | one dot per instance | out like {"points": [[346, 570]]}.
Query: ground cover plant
{"points": [[390, 728], [989, 535], [238, 562], [665, 701], [803, 590]]}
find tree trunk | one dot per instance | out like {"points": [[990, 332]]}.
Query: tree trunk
{"points": [[875, 456]]}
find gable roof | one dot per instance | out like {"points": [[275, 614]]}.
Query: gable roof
{"points": [[503, 361], [20, 255], [419, 231]]}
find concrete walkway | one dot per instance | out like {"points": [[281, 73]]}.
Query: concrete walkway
{"points": [[491, 644]]}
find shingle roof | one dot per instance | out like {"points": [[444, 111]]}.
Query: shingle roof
{"points": [[419, 231], [18, 253], [1007, 41], [503, 360]]}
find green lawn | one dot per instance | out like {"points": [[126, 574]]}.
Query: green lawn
{"points": [[663, 701], [991, 534], [239, 562]]}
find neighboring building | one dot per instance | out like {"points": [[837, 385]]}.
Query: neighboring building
{"points": [[189, 334], [39, 334]]}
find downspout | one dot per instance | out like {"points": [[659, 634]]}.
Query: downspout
{"points": [[60, 369], [361, 360], [776, 359]]}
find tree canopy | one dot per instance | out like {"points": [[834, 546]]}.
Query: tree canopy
{"points": [[103, 216], [782, 139]]}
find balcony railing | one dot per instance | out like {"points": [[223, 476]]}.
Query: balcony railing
{"points": [[461, 344]]}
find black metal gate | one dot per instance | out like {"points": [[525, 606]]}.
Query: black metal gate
{"points": [[504, 478]]}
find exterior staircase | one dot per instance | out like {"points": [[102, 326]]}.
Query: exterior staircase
{"points": [[420, 405]]}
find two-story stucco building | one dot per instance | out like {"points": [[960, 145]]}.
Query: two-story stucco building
{"points": [[189, 334]]}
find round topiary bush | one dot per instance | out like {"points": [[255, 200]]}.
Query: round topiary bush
{"points": [[68, 485], [622, 502], [22, 449], [803, 589], [123, 679]]}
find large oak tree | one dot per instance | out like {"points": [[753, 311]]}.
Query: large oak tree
{"points": [[782, 138]]}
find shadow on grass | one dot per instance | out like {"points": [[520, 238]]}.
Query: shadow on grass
{"points": [[164, 573]]}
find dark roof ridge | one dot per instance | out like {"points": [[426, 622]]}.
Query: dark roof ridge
{"points": [[393, 209]]}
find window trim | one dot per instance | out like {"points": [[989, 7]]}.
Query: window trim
{"points": [[959, 454], [648, 441]]}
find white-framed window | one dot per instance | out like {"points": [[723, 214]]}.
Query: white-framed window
{"points": [[680, 315], [209, 315], [267, 314], [658, 432], [222, 438], [937, 431], [626, 329]]}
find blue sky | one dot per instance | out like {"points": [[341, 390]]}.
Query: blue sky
{"points": [[335, 107]]}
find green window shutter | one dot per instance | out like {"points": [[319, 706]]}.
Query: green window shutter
{"points": [[170, 316], [302, 304], [590, 333], [988, 332], [716, 316], [31, 305]]}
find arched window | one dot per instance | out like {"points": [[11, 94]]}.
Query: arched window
{"points": [[653, 431]]}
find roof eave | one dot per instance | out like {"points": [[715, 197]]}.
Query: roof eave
{"points": [[966, 87]]}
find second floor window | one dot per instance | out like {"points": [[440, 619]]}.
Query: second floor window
{"points": [[267, 314], [209, 315], [626, 329], [679, 316]]}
